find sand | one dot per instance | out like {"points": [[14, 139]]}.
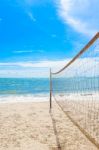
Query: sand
{"points": [[30, 126]]}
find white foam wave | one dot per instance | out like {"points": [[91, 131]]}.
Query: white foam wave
{"points": [[23, 98]]}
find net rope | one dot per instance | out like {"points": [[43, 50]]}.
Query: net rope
{"points": [[75, 88]]}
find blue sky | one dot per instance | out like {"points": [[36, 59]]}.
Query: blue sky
{"points": [[43, 32]]}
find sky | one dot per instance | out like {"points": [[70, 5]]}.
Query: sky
{"points": [[38, 34]]}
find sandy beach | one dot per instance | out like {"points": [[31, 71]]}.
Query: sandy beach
{"points": [[29, 125]]}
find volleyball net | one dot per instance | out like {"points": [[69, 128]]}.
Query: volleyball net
{"points": [[75, 88]]}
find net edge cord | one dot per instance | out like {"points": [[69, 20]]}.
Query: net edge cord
{"points": [[80, 53]]}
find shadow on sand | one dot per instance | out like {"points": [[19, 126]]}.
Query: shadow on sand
{"points": [[55, 132]]}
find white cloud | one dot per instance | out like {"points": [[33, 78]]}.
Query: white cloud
{"points": [[82, 15], [82, 67], [28, 5], [35, 64], [24, 73], [28, 51], [87, 67], [29, 69], [31, 16]]}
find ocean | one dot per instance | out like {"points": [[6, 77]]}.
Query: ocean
{"points": [[20, 89], [24, 89], [24, 86], [76, 84], [37, 86]]}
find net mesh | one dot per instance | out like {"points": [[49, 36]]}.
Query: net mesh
{"points": [[76, 90]]}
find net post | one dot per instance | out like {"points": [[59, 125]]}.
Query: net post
{"points": [[50, 90]]}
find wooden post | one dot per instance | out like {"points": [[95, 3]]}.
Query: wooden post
{"points": [[50, 90]]}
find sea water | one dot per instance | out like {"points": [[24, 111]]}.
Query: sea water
{"points": [[27, 89], [24, 89], [24, 86], [75, 85]]}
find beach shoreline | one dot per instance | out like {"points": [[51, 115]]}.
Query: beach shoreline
{"points": [[24, 98]]}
